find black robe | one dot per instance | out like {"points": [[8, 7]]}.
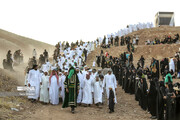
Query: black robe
{"points": [[143, 95], [152, 99], [111, 100]]}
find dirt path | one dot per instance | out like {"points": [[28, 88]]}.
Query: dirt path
{"points": [[126, 108]]}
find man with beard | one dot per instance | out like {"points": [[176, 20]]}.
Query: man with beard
{"points": [[34, 80], [71, 89], [152, 98]]}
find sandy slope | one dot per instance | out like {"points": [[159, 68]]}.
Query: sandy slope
{"points": [[10, 41]]}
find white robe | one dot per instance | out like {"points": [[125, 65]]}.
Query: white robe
{"points": [[171, 65], [34, 79], [80, 95], [63, 78], [97, 92], [26, 79], [45, 67], [94, 64], [87, 92], [54, 91], [110, 80], [44, 93]]}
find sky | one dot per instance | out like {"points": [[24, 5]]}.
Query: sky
{"points": [[52, 21]]}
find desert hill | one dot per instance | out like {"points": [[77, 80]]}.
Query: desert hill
{"points": [[152, 33], [148, 51], [11, 41]]}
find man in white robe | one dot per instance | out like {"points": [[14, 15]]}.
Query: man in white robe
{"points": [[172, 65], [97, 91], [34, 80], [44, 92], [80, 77], [110, 80], [34, 53], [63, 78], [87, 91], [54, 88]]}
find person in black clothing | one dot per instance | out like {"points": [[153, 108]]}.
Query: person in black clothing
{"points": [[132, 82], [152, 98], [111, 100], [142, 61], [98, 60], [111, 38], [85, 54], [143, 95], [160, 101], [170, 102]]}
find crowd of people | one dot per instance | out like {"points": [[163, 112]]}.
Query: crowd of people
{"points": [[69, 78], [167, 40], [153, 86]]}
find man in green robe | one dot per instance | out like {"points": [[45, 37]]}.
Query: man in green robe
{"points": [[71, 86]]}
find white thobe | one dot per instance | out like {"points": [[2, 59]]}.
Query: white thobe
{"points": [[87, 92], [26, 79], [54, 91], [34, 54], [94, 64], [80, 77], [110, 80], [44, 67], [34, 79], [44, 93], [62, 80], [97, 92], [171, 65]]}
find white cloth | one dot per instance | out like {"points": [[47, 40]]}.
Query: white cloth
{"points": [[97, 92], [171, 65], [87, 92], [34, 54], [62, 80], [54, 91], [81, 82], [94, 64], [110, 80], [34, 79], [45, 67], [44, 93], [26, 79]]}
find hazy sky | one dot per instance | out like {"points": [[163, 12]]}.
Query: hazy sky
{"points": [[51, 21]]}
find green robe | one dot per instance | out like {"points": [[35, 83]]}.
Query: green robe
{"points": [[166, 78], [72, 83]]}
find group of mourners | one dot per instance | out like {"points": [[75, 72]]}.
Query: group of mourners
{"points": [[69, 78], [153, 86], [12, 60], [167, 40]]}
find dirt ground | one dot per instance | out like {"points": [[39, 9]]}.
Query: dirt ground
{"points": [[126, 108]]}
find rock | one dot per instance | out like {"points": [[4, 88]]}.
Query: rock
{"points": [[15, 109]]}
